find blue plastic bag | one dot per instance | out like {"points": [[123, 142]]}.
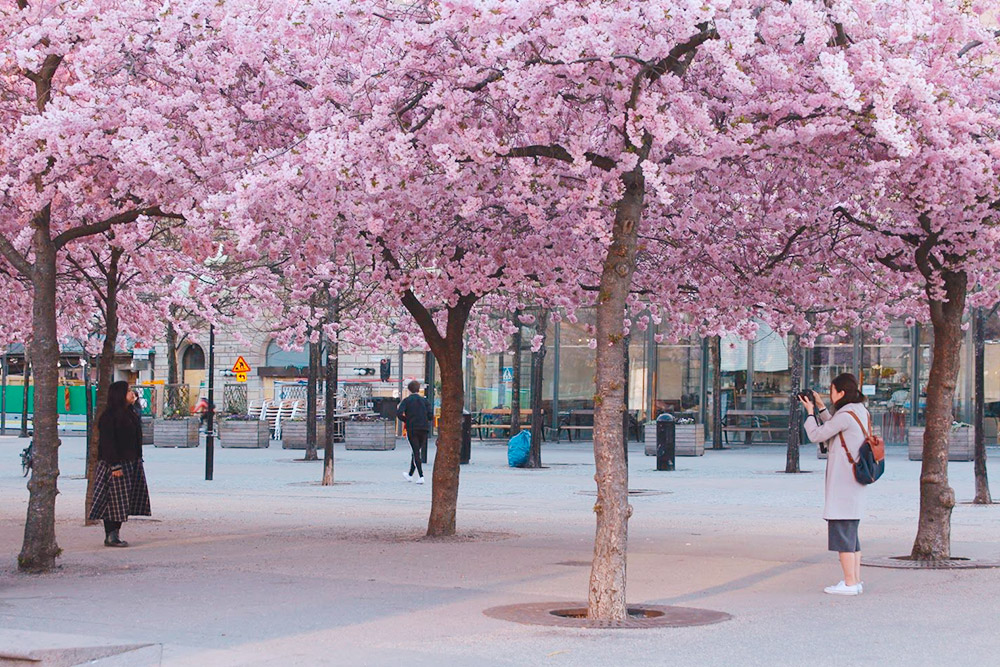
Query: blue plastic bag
{"points": [[518, 448]]}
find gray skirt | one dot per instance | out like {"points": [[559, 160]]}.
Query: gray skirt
{"points": [[842, 535]]}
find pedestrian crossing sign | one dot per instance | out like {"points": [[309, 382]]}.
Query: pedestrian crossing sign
{"points": [[241, 366], [508, 374]]}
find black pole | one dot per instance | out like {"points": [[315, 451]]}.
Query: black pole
{"points": [[26, 374], [88, 403], [3, 398], [210, 410]]}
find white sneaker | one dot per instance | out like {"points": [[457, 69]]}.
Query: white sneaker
{"points": [[843, 589], [861, 587], [408, 477], [420, 480]]}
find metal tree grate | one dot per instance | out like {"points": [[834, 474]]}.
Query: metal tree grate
{"points": [[574, 615]]}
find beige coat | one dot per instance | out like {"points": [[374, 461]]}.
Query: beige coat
{"points": [[844, 495]]}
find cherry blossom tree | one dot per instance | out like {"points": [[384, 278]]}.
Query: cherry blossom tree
{"points": [[116, 113], [928, 196]]}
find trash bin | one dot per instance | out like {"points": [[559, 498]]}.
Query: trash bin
{"points": [[466, 454], [666, 442]]}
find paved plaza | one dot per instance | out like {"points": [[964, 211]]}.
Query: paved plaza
{"points": [[262, 566]]}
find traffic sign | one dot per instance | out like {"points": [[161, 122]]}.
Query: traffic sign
{"points": [[508, 374], [241, 366], [241, 377]]}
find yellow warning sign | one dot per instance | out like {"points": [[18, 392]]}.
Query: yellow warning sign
{"points": [[241, 366], [241, 377]]}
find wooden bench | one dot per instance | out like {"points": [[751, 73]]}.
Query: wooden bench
{"points": [[758, 422], [499, 420]]}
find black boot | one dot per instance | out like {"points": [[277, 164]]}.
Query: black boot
{"points": [[112, 540]]}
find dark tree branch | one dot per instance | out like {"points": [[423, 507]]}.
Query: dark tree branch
{"points": [[557, 152], [90, 229]]}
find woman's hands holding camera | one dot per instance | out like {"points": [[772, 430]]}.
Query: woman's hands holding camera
{"points": [[806, 398]]}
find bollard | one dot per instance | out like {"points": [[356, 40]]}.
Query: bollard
{"points": [[466, 436], [666, 442]]}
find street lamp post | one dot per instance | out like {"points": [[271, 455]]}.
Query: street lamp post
{"points": [[210, 409]]}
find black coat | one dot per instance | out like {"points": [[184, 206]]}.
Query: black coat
{"points": [[120, 437], [415, 412]]}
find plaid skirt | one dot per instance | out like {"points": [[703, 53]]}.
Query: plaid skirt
{"points": [[117, 498]]}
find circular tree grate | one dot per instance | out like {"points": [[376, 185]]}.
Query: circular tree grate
{"points": [[632, 492], [907, 563], [574, 615]]}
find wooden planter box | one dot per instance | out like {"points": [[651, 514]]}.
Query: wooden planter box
{"points": [[293, 434], [961, 443], [234, 433], [148, 433], [377, 435], [176, 432], [689, 439]]}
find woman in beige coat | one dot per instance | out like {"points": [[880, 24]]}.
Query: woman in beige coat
{"points": [[844, 504]]}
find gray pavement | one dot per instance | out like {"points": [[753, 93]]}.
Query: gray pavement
{"points": [[262, 566]]}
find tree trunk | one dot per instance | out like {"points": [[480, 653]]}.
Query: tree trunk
{"points": [[982, 481], [332, 369], [515, 383], [311, 399], [105, 369], [448, 351], [27, 385], [39, 551], [607, 576], [447, 459], [172, 376], [794, 408], [937, 498], [537, 382], [715, 353]]}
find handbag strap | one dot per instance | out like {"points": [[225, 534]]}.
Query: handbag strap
{"points": [[846, 450], [843, 443], [860, 424]]}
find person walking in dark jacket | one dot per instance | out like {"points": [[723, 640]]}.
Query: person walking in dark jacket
{"points": [[415, 412], [120, 487]]}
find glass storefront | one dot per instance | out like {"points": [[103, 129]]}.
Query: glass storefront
{"points": [[678, 379], [886, 379], [755, 375]]}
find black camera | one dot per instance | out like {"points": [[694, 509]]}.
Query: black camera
{"points": [[806, 396]]}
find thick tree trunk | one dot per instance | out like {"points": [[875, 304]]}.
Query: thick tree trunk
{"points": [[537, 383], [332, 368], [448, 351], [39, 551], [105, 370], [937, 498], [515, 384], [447, 458], [607, 576], [982, 481], [794, 408], [312, 396], [715, 354]]}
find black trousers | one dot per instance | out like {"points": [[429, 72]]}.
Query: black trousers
{"points": [[418, 440], [110, 526]]}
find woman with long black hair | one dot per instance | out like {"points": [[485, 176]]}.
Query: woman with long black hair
{"points": [[120, 487]]}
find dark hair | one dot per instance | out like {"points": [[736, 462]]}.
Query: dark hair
{"points": [[117, 403], [413, 386], [848, 384]]}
